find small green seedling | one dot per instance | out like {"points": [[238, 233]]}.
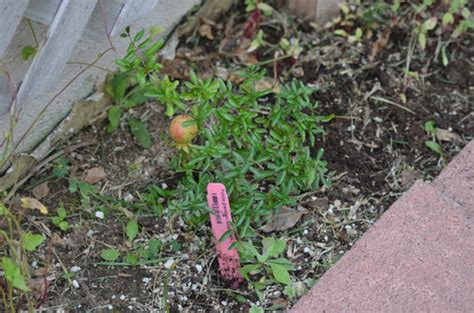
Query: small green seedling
{"points": [[432, 144], [59, 219], [267, 267]]}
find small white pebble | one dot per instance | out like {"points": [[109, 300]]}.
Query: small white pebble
{"points": [[99, 215], [146, 280], [113, 296], [164, 186], [305, 232], [378, 119], [224, 303], [169, 263], [128, 197], [75, 269], [198, 268], [110, 307], [122, 297], [306, 250], [75, 284], [130, 307]]}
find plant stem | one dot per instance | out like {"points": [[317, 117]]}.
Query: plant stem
{"points": [[30, 25]]}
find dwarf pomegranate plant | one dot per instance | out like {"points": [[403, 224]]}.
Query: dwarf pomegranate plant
{"points": [[260, 145]]}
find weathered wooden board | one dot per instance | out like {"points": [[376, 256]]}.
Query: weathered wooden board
{"points": [[11, 13], [64, 32], [116, 13], [131, 11]]}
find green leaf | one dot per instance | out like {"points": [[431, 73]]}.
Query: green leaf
{"points": [[256, 309], [422, 40], [341, 32], [267, 10], [31, 241], [114, 115], [225, 235], [328, 118], [430, 127], [444, 56], [430, 23], [247, 249], [131, 229], [13, 274], [140, 131], [64, 226], [280, 273], [448, 18], [434, 146], [119, 85], [3, 209], [250, 268], [139, 35], [131, 259], [273, 247], [110, 254], [61, 212], [283, 262], [290, 291], [28, 52]]}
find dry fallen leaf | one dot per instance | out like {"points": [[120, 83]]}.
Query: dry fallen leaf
{"points": [[32, 203], [56, 240], [41, 191], [267, 83], [380, 43], [446, 135], [317, 203], [284, 219], [205, 30], [94, 175]]}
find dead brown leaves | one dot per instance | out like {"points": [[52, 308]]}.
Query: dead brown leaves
{"points": [[41, 191], [380, 44], [94, 175], [284, 219]]}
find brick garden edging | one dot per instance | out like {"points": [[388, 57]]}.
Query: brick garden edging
{"points": [[418, 257]]}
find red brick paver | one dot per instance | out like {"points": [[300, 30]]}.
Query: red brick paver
{"points": [[418, 257]]}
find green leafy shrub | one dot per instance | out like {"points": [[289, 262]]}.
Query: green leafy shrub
{"points": [[260, 145]]}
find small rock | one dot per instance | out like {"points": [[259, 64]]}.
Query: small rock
{"points": [[198, 268], [122, 297], [169, 263], [75, 284], [129, 197], [99, 215], [75, 269]]}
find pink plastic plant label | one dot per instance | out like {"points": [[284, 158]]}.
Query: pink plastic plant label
{"points": [[229, 261]]}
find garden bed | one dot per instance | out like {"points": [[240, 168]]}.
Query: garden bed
{"points": [[375, 147]]}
